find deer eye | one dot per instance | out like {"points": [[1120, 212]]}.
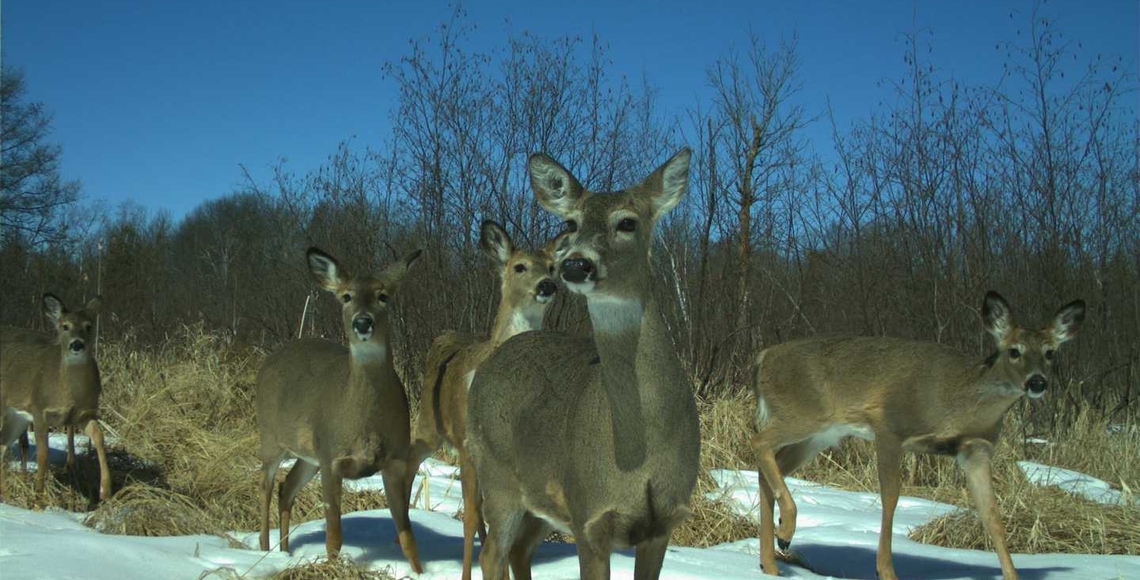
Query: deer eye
{"points": [[1014, 353], [346, 297], [627, 225], [571, 226], [1049, 354], [382, 297], [66, 326], [520, 268]]}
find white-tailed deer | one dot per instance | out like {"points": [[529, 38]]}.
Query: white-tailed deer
{"points": [[526, 290], [339, 410], [905, 395], [52, 381], [594, 435]]}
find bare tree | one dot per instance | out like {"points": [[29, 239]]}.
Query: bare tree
{"points": [[32, 191]]}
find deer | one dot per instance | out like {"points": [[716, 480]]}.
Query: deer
{"points": [[340, 410], [52, 381], [905, 395], [594, 435], [526, 289]]}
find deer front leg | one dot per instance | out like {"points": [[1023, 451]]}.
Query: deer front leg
{"points": [[41, 454], [330, 494], [974, 458], [96, 436], [395, 488], [889, 453]]}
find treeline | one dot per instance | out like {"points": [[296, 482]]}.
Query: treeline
{"points": [[1030, 187]]}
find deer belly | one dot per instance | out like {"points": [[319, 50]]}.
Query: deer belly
{"points": [[833, 434]]}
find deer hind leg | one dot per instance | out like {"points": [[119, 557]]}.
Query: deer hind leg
{"points": [[472, 511], [769, 471], [95, 434], [788, 459], [649, 557], [300, 475], [767, 528], [505, 516], [593, 557], [395, 484], [531, 532], [24, 446], [888, 450], [974, 457], [425, 441], [268, 473]]}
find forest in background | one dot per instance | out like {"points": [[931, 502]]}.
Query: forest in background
{"points": [[897, 226]]}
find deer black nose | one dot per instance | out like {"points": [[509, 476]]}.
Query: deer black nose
{"points": [[1036, 384], [76, 345], [576, 270], [546, 287], [362, 325]]}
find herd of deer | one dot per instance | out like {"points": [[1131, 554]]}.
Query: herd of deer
{"points": [[597, 436]]}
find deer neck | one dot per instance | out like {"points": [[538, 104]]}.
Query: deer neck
{"points": [[79, 379], [369, 364], [990, 394], [627, 333], [510, 321]]}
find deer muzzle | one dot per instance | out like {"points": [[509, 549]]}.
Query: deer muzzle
{"points": [[577, 270], [545, 290], [362, 325], [76, 346], [1035, 386]]}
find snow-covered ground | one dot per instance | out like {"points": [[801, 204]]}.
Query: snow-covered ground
{"points": [[836, 536]]}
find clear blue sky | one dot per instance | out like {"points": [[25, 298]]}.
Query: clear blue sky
{"points": [[159, 102]]}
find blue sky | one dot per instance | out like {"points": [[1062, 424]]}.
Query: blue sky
{"points": [[159, 102]]}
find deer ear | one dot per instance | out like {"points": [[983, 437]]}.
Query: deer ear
{"points": [[325, 269], [53, 307], [665, 187], [997, 315], [1068, 320], [556, 189], [94, 305], [395, 273], [495, 242], [556, 248], [411, 258]]}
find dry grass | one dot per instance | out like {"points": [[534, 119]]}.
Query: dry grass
{"points": [[183, 461], [338, 569]]}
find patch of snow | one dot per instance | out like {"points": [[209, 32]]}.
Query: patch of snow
{"points": [[1073, 482], [836, 537]]}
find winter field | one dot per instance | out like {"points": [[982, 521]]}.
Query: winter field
{"points": [[836, 538]]}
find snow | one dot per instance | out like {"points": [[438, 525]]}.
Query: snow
{"points": [[836, 536], [1073, 482]]}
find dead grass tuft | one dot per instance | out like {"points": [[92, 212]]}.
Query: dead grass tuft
{"points": [[1042, 520], [338, 569], [145, 510], [713, 521]]}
